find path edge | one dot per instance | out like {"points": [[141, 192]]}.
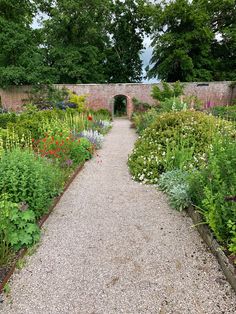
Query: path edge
{"points": [[228, 268]]}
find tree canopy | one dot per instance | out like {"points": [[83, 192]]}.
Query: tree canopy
{"points": [[194, 40], [95, 41]]}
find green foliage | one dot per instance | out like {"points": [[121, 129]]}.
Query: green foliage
{"points": [[5, 118], [46, 96], [179, 139], [225, 112], [80, 101], [19, 224], [213, 189], [175, 184], [140, 106], [28, 178], [75, 39], [20, 59], [143, 120], [5, 249], [129, 21], [167, 91], [173, 104], [185, 41], [103, 114]]}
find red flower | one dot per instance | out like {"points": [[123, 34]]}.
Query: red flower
{"points": [[90, 118], [33, 140]]}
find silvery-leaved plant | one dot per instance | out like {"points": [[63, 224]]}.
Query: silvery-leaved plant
{"points": [[94, 137]]}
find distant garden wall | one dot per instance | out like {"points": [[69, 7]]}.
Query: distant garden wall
{"points": [[102, 95]]}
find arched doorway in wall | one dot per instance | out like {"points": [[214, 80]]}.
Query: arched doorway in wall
{"points": [[120, 106]]}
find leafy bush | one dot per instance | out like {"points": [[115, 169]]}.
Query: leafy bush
{"points": [[170, 137], [5, 118], [28, 178], [18, 225], [140, 106], [167, 91], [175, 184], [173, 104], [46, 96], [143, 120], [213, 190], [80, 101], [225, 112], [102, 114]]}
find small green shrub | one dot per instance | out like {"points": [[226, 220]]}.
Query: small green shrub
{"points": [[175, 184], [173, 104], [225, 112], [18, 224], [102, 114], [171, 137], [143, 120], [80, 101], [167, 91], [28, 178], [213, 189], [6, 118], [140, 106]]}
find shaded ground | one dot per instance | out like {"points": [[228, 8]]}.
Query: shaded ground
{"points": [[114, 246]]}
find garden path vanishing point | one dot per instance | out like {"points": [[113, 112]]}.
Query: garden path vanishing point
{"points": [[114, 246]]}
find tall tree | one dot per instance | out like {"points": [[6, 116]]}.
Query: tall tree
{"points": [[182, 39], [223, 22], [194, 40], [129, 22], [76, 39], [20, 58]]}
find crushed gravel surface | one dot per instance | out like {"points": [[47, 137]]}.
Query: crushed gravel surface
{"points": [[115, 246]]}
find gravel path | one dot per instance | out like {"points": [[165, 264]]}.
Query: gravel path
{"points": [[114, 246]]}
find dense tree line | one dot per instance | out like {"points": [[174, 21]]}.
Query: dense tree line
{"points": [[194, 40], [95, 41]]}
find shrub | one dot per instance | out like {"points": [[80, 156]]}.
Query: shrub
{"points": [[167, 91], [102, 114], [225, 112], [46, 96], [175, 184], [143, 120], [80, 101], [28, 178], [171, 136], [213, 190], [18, 225], [173, 104], [140, 106], [5, 118]]}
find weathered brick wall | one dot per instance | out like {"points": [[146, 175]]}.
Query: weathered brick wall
{"points": [[102, 95]]}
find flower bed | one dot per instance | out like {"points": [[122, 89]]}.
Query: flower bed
{"points": [[192, 157], [39, 152]]}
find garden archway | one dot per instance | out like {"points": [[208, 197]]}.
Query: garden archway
{"points": [[121, 105]]}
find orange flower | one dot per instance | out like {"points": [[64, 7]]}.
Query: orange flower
{"points": [[90, 118]]}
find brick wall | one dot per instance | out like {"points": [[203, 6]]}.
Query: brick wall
{"points": [[102, 95]]}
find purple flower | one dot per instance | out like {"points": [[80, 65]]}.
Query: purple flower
{"points": [[68, 162]]}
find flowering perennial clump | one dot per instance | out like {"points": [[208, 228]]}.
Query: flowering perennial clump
{"points": [[94, 137]]}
